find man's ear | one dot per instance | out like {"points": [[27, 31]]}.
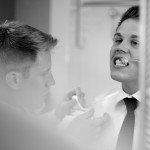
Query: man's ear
{"points": [[13, 79]]}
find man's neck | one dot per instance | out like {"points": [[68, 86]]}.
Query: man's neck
{"points": [[130, 88], [10, 100]]}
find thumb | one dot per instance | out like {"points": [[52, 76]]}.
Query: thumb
{"points": [[72, 103], [88, 114], [105, 118]]}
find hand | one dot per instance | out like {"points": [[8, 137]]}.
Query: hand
{"points": [[65, 107], [86, 128], [81, 96]]}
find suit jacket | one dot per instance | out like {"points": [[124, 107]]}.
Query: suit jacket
{"points": [[21, 132]]}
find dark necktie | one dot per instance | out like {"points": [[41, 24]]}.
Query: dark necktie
{"points": [[125, 138]]}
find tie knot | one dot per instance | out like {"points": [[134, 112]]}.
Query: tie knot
{"points": [[131, 103]]}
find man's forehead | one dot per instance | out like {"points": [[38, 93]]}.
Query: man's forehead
{"points": [[43, 57], [43, 61], [129, 27]]}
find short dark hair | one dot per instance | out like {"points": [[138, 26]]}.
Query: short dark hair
{"points": [[20, 42], [131, 13]]}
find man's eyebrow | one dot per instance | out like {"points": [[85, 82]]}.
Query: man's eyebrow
{"points": [[46, 70], [134, 36], [117, 34]]}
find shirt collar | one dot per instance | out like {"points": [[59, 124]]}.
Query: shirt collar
{"points": [[122, 95], [137, 95]]}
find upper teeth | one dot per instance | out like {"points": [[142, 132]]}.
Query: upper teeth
{"points": [[122, 61]]}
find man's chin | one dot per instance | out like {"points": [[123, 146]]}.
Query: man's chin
{"points": [[37, 109], [119, 78]]}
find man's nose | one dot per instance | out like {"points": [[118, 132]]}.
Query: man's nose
{"points": [[50, 81], [124, 47]]}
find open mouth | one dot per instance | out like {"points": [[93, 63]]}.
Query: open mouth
{"points": [[121, 61]]}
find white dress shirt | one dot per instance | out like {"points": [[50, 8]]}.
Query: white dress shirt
{"points": [[111, 103]]}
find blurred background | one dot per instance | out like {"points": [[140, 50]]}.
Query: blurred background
{"points": [[84, 29]]}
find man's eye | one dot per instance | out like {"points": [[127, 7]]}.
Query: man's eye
{"points": [[44, 73], [117, 40], [134, 43]]}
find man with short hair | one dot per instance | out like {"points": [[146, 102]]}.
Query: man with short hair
{"points": [[25, 65], [25, 79], [124, 68], [119, 126]]}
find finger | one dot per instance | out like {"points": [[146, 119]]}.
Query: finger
{"points": [[69, 95], [81, 96], [78, 88], [79, 93], [88, 114], [105, 118]]}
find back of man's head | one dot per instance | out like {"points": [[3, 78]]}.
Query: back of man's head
{"points": [[20, 44]]}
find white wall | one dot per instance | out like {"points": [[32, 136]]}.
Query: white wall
{"points": [[87, 67], [60, 28]]}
